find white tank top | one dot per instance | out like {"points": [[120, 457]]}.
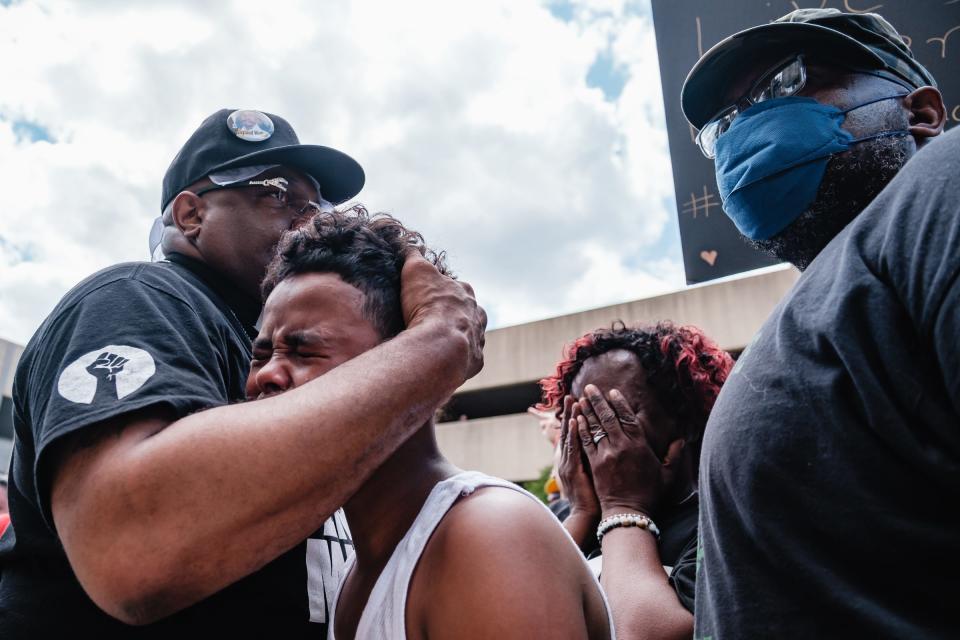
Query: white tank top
{"points": [[384, 616]]}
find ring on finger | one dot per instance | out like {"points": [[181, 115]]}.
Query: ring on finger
{"points": [[597, 437]]}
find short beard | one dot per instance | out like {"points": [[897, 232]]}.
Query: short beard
{"points": [[851, 182]]}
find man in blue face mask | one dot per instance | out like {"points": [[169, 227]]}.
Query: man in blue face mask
{"points": [[807, 119], [831, 459]]}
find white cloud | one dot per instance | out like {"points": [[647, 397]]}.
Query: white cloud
{"points": [[473, 122], [609, 278]]}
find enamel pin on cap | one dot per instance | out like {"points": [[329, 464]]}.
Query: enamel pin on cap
{"points": [[252, 126]]}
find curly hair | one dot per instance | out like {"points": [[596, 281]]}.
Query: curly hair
{"points": [[366, 251], [684, 368]]}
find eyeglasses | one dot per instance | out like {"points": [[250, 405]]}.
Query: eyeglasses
{"points": [[785, 79], [277, 190]]}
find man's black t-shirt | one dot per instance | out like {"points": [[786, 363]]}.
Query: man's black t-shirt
{"points": [[133, 336], [830, 474]]}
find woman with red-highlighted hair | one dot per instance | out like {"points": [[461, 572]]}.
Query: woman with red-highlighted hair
{"points": [[633, 404]]}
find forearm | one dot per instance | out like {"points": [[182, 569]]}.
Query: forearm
{"points": [[218, 494], [643, 603], [581, 527]]}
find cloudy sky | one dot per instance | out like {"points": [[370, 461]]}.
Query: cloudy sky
{"points": [[525, 137]]}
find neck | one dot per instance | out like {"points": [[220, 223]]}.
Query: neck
{"points": [[246, 308], [382, 510]]}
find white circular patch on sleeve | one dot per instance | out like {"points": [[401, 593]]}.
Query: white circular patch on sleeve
{"points": [[111, 372]]}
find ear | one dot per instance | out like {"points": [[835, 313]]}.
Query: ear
{"points": [[674, 449], [188, 214], [926, 113]]}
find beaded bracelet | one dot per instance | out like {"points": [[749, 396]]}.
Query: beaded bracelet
{"points": [[626, 520]]}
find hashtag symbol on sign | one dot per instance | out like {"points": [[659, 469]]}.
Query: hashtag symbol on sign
{"points": [[700, 204]]}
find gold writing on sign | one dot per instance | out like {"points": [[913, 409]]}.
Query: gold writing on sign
{"points": [[699, 39], [823, 4], [943, 41], [700, 204], [846, 3]]}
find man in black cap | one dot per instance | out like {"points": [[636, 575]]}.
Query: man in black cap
{"points": [[141, 492], [831, 460]]}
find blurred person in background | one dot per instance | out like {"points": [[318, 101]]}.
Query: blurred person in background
{"points": [[549, 425], [4, 508], [633, 404]]}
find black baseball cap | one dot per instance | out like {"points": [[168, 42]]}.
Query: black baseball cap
{"points": [[234, 138], [860, 40]]}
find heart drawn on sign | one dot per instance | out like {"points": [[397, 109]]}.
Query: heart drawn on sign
{"points": [[709, 257]]}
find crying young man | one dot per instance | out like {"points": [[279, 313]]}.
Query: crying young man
{"points": [[440, 552]]}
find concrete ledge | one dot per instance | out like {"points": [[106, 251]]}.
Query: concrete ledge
{"points": [[730, 312]]}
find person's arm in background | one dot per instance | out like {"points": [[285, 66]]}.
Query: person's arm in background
{"points": [[156, 514], [577, 486], [629, 478]]}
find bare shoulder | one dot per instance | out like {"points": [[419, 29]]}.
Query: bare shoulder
{"points": [[499, 515], [500, 563]]}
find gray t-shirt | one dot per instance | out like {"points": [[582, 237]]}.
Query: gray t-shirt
{"points": [[830, 475]]}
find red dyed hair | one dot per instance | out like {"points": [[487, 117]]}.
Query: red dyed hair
{"points": [[685, 368]]}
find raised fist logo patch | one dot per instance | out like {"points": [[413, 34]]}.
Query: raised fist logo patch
{"points": [[109, 373]]}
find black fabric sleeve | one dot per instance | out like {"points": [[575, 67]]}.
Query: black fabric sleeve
{"points": [[920, 244], [120, 348], [946, 329], [683, 576]]}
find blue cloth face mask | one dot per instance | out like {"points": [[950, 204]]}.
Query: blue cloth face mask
{"points": [[771, 160]]}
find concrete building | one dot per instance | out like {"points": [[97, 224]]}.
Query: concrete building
{"points": [[488, 428]]}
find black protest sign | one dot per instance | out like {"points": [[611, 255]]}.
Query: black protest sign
{"points": [[685, 29]]}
